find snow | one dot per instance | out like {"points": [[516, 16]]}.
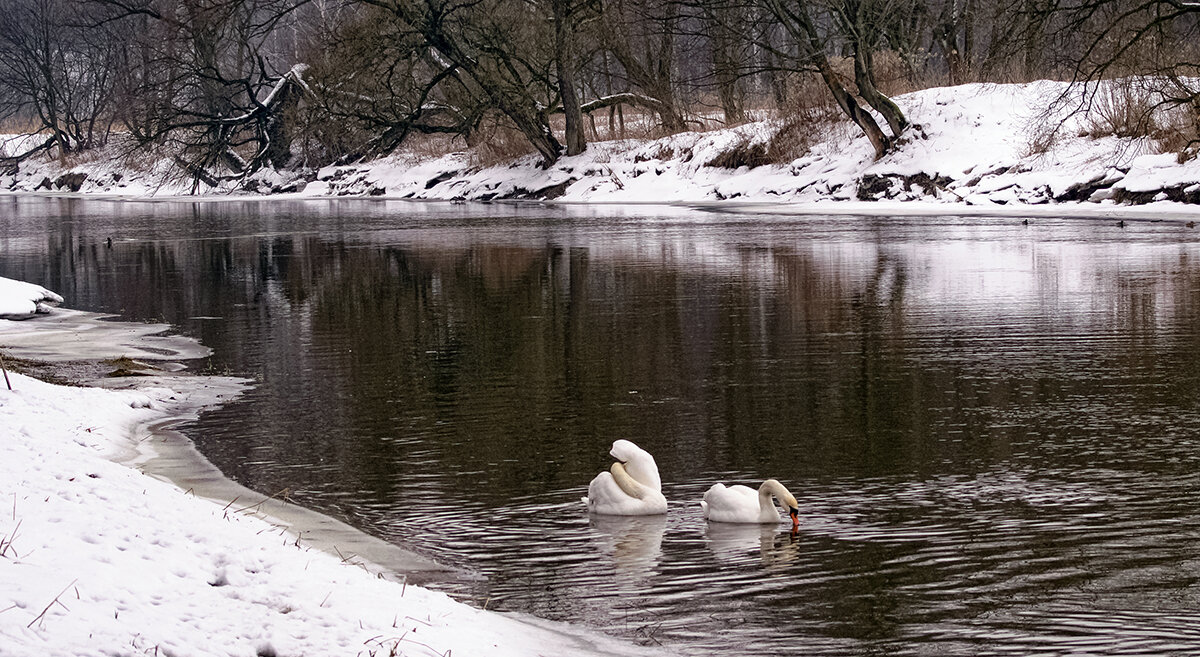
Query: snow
{"points": [[19, 299], [970, 146], [1152, 172], [100, 558]]}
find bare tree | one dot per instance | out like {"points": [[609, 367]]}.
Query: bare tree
{"points": [[568, 15], [724, 24], [848, 26], [641, 35], [56, 72], [198, 78], [473, 43]]}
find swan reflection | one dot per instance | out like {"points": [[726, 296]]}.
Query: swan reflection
{"points": [[633, 542], [745, 543]]}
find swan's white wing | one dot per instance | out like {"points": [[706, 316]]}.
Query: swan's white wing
{"points": [[606, 497], [732, 503]]}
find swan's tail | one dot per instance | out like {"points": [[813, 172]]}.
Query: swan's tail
{"points": [[586, 502], [704, 508]]}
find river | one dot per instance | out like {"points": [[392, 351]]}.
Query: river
{"points": [[992, 427]]}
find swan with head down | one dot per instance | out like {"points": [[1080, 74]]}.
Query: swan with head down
{"points": [[745, 505], [631, 487]]}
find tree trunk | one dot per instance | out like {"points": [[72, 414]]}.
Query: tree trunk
{"points": [[564, 65], [864, 79], [725, 61], [795, 19], [862, 118], [775, 81], [652, 74], [947, 26]]}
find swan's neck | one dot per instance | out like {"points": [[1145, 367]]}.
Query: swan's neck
{"points": [[768, 493], [626, 483], [766, 504]]}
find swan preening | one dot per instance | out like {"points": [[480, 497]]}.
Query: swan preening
{"points": [[631, 487], [745, 505]]}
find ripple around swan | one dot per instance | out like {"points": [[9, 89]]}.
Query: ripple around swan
{"points": [[1020, 541]]}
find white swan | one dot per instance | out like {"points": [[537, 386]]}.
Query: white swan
{"points": [[744, 504], [631, 487]]}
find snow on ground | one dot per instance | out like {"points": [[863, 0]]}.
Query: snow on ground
{"points": [[97, 558], [974, 145], [19, 299]]}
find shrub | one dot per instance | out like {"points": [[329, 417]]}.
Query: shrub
{"points": [[745, 152], [1121, 108], [497, 142]]}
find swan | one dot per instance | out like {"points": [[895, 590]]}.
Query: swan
{"points": [[631, 487], [744, 504]]}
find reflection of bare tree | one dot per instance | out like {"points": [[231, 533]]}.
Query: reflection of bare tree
{"points": [[882, 396], [521, 357]]}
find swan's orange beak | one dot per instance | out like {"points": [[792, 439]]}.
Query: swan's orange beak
{"points": [[795, 518]]}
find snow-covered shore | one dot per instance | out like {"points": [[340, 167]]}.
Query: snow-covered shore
{"points": [[21, 300], [979, 146], [99, 558]]}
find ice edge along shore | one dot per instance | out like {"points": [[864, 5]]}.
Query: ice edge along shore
{"points": [[97, 557]]}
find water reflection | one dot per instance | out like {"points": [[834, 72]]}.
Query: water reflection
{"points": [[991, 428], [743, 544], [633, 544]]}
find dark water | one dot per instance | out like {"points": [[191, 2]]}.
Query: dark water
{"points": [[993, 429]]}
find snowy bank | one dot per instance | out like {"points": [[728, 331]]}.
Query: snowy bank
{"points": [[98, 558], [976, 145], [19, 300]]}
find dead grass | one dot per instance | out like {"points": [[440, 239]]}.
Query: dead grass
{"points": [[1179, 130], [799, 130], [6, 540], [1138, 108], [1043, 138], [125, 367], [497, 142], [43, 371], [433, 146], [19, 126], [804, 127], [745, 152], [812, 120], [1120, 108]]}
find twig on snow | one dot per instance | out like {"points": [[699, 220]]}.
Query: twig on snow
{"points": [[54, 602], [5, 370]]}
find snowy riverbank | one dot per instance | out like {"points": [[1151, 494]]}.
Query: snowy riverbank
{"points": [[21, 300], [974, 146], [99, 558]]}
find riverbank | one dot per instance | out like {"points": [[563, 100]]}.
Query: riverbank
{"points": [[986, 147], [100, 558]]}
